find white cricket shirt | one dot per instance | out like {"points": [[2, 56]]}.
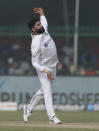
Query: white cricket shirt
{"points": [[43, 49]]}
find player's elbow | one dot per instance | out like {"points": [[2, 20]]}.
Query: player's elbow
{"points": [[34, 64], [46, 25], [46, 28]]}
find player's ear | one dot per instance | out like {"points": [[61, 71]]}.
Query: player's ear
{"points": [[33, 29]]}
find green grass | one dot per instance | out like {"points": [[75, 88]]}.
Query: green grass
{"points": [[71, 117], [40, 116], [41, 129]]}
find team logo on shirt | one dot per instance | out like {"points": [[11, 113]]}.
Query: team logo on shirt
{"points": [[47, 43]]}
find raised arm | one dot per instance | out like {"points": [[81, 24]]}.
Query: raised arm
{"points": [[44, 22], [43, 19]]}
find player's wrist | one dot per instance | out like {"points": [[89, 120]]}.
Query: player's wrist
{"points": [[44, 70], [41, 14]]}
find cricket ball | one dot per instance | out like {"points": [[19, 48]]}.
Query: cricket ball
{"points": [[35, 9]]}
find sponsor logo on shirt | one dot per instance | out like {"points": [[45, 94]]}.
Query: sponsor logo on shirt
{"points": [[47, 43]]}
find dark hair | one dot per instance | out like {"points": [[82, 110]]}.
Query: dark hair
{"points": [[32, 22]]}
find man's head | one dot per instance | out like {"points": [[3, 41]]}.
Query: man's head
{"points": [[35, 26]]}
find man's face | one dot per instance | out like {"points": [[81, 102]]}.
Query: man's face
{"points": [[38, 28]]}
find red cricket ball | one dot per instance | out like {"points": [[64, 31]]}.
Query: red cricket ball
{"points": [[35, 9]]}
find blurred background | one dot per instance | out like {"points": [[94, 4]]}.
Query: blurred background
{"points": [[78, 55], [74, 26]]}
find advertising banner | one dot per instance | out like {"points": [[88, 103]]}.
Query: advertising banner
{"points": [[66, 90]]}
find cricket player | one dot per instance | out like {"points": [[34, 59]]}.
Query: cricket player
{"points": [[44, 60]]}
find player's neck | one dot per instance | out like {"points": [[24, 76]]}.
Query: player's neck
{"points": [[35, 33]]}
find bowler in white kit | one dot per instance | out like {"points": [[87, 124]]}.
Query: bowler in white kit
{"points": [[44, 60]]}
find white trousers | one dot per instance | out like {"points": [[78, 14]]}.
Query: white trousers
{"points": [[46, 93]]}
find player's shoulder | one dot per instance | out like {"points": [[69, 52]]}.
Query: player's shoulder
{"points": [[46, 33], [32, 34], [35, 47]]}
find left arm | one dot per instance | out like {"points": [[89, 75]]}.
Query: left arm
{"points": [[35, 63], [43, 19], [44, 22]]}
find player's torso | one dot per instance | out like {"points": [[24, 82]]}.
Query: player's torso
{"points": [[48, 48]]}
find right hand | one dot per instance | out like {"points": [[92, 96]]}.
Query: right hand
{"points": [[39, 11], [50, 76]]}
